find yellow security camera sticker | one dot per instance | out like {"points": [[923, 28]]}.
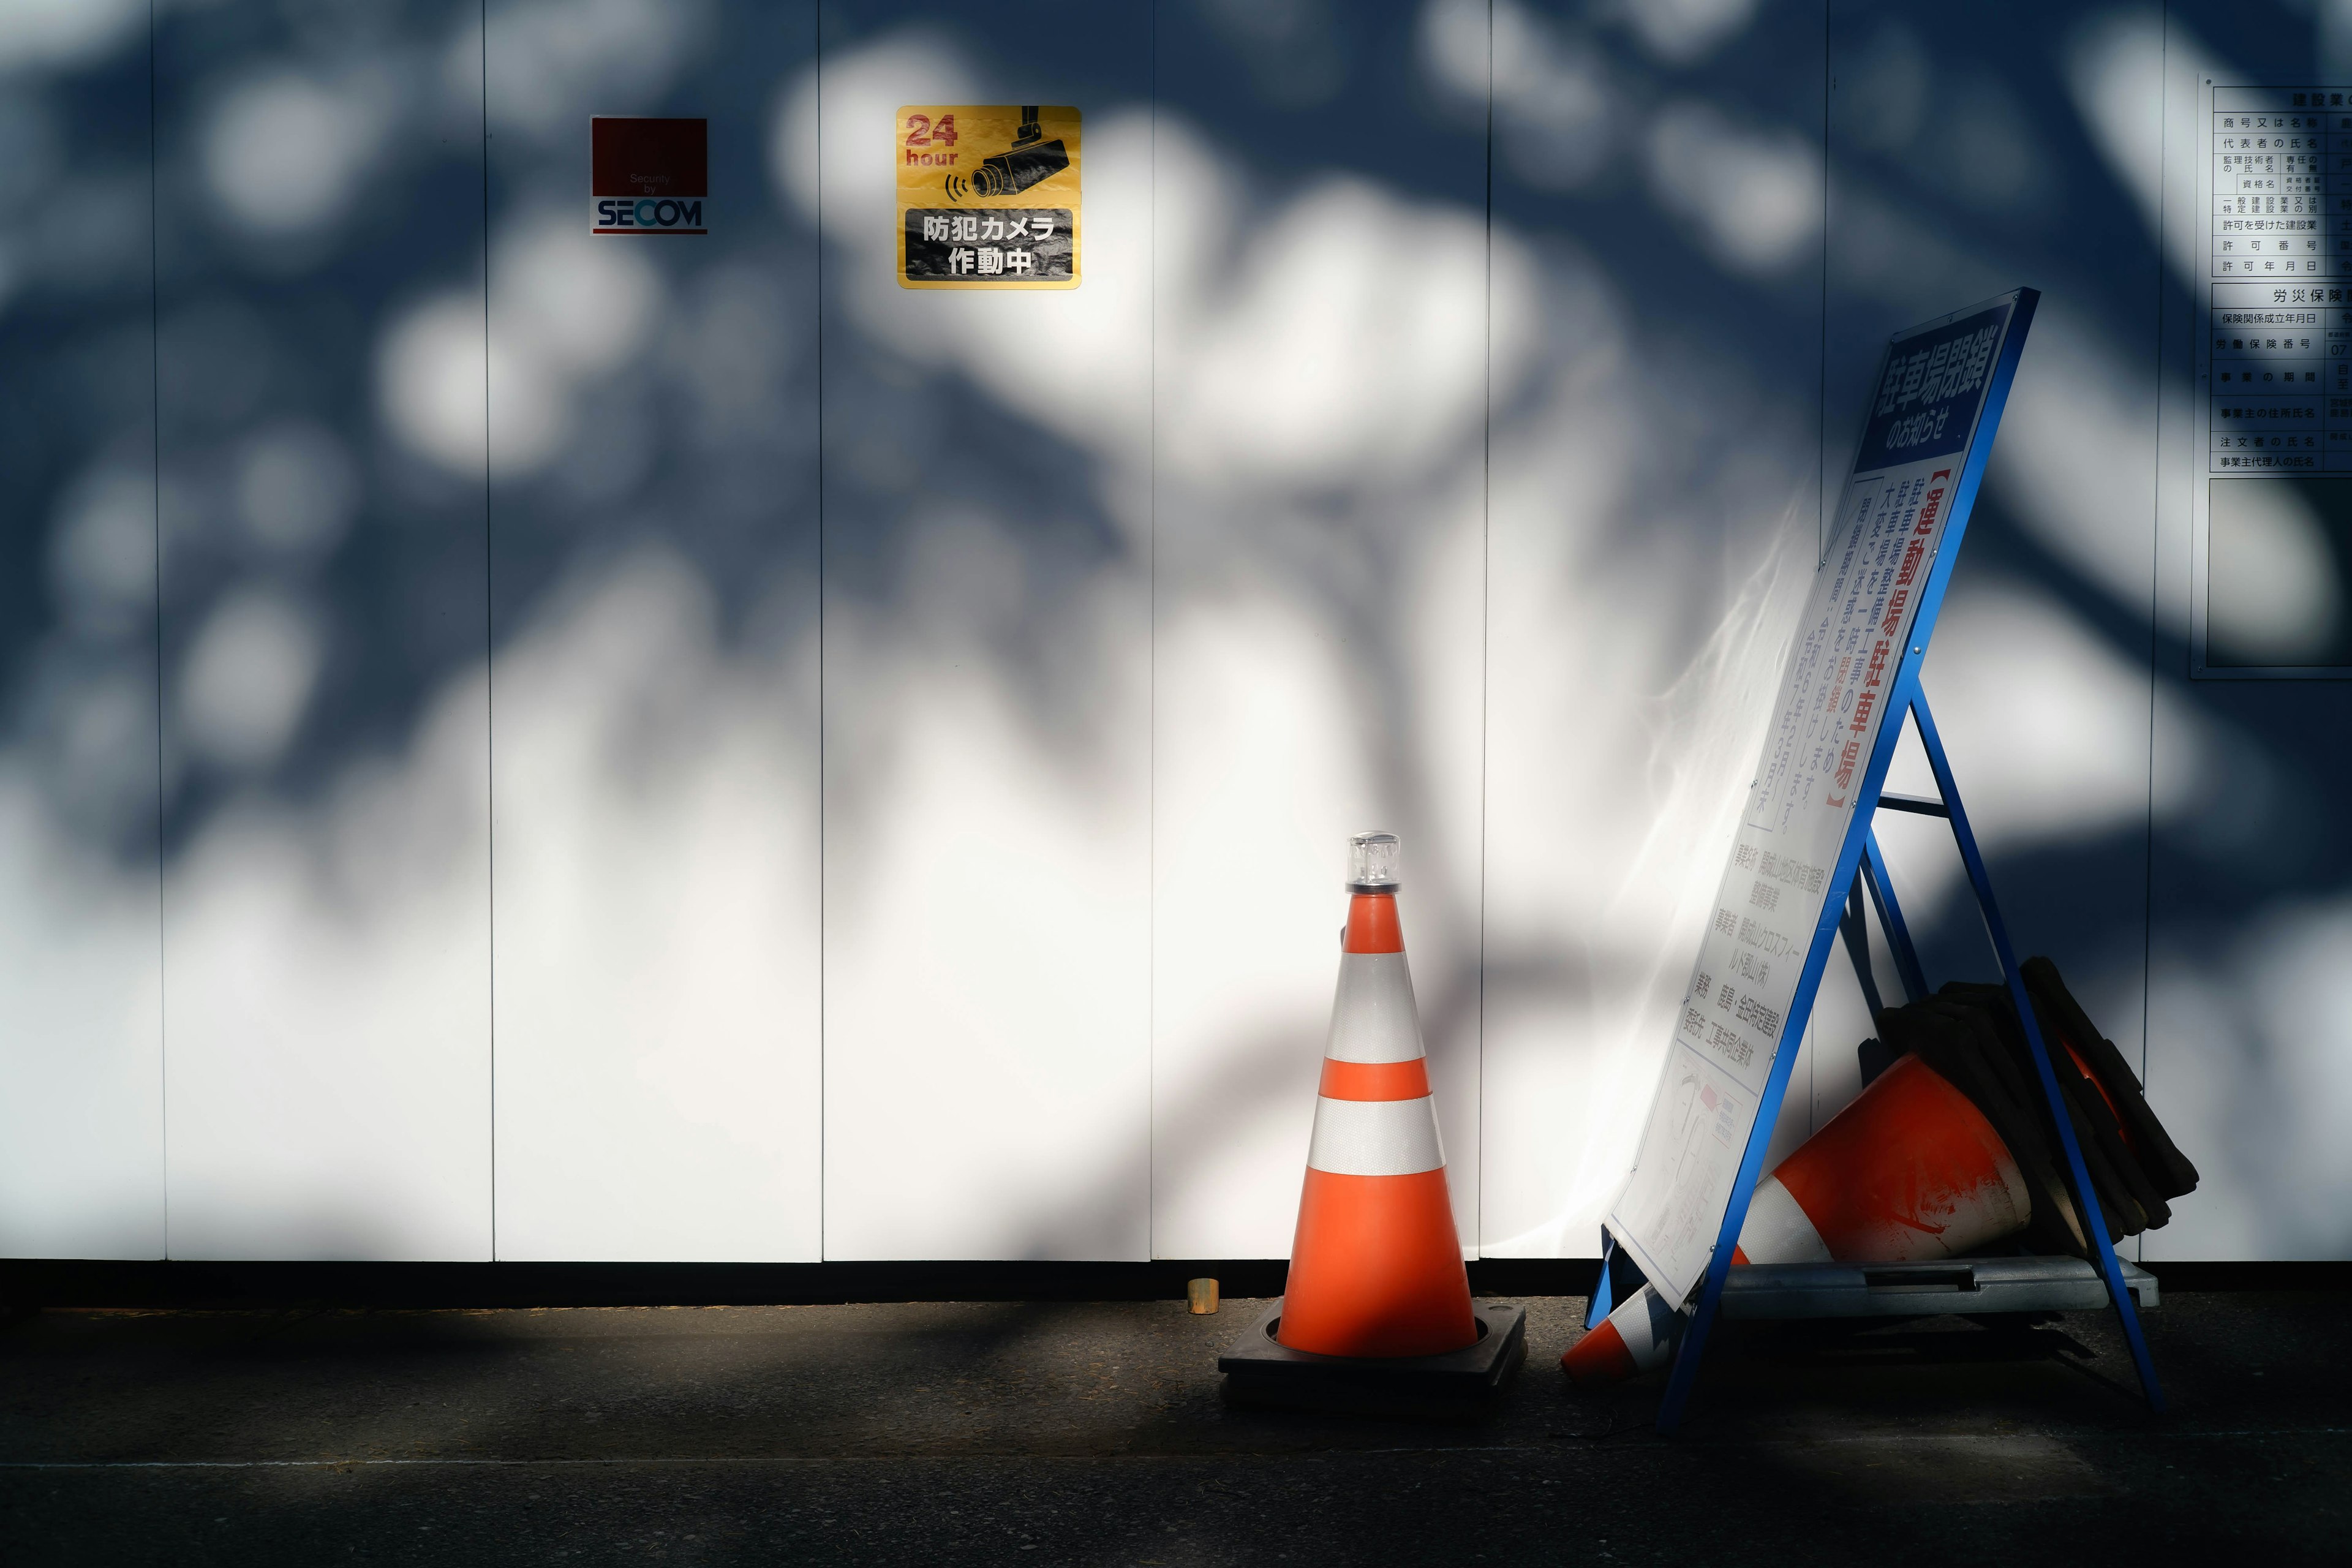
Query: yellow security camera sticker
{"points": [[988, 195]]}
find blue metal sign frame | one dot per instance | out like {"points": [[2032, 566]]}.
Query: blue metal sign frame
{"points": [[1859, 856]]}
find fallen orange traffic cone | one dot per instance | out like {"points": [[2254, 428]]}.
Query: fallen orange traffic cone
{"points": [[1910, 1170], [1947, 1149], [1377, 1301], [1376, 1266]]}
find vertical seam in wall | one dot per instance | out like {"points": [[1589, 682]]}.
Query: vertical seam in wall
{"points": [[1822, 517], [1822, 416], [490, 652], [2155, 563], [823, 937], [1486, 632], [1151, 691], [155, 430]]}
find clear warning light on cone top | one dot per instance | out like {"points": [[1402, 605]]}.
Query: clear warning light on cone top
{"points": [[1372, 862]]}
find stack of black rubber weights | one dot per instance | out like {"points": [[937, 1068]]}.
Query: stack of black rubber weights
{"points": [[1969, 1034]]}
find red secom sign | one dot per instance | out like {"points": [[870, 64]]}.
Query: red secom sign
{"points": [[646, 176]]}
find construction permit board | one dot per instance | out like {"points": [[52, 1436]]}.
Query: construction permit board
{"points": [[1776, 911]]}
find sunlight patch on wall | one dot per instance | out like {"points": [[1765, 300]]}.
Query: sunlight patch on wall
{"points": [[2047, 723], [963, 761], [2275, 593], [2264, 1118], [2115, 66], [284, 153], [1314, 369], [360, 919], [81, 987], [1556, 107], [567, 310], [656, 927], [58, 35], [1684, 32], [1254, 671], [246, 680], [429, 382], [1753, 198], [553, 59]]}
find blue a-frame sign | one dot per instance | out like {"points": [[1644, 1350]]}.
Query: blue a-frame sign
{"points": [[1941, 390]]}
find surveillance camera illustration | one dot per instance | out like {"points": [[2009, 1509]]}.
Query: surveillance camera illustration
{"points": [[965, 211], [1030, 160]]}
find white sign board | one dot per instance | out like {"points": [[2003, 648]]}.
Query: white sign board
{"points": [[1774, 905]]}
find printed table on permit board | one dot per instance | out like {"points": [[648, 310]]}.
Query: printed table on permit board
{"points": [[2278, 338]]}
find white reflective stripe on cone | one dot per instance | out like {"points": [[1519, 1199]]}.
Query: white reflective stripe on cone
{"points": [[1776, 1229], [1373, 1018], [1648, 1326], [1375, 1137]]}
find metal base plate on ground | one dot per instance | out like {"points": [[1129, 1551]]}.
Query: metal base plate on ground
{"points": [[1966, 1285], [1260, 1370]]}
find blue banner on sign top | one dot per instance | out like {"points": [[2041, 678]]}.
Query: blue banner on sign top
{"points": [[1926, 401]]}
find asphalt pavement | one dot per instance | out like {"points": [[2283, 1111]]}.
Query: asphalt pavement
{"points": [[1095, 1433]]}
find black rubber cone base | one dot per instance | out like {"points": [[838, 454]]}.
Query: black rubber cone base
{"points": [[1458, 1386]]}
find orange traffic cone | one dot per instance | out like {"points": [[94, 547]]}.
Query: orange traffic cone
{"points": [[1376, 1266], [1378, 1317], [1910, 1170]]}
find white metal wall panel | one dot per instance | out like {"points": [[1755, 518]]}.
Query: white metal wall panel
{"points": [[653, 459], [1319, 309], [987, 538], [2249, 1039], [1941, 183], [1945, 167], [325, 933], [993, 919], [1654, 389], [81, 1126]]}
